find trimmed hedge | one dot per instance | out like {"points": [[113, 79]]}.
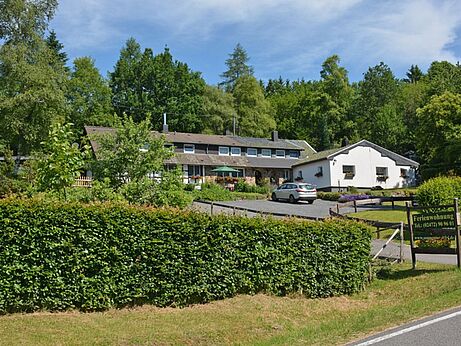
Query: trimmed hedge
{"points": [[439, 191], [94, 257]]}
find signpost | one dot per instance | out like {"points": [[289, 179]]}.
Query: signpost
{"points": [[434, 229]]}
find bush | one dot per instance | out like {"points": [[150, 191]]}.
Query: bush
{"points": [[212, 192], [243, 186], [329, 196], [439, 191], [63, 256]]}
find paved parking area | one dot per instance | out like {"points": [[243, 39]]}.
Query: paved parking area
{"points": [[319, 209]]}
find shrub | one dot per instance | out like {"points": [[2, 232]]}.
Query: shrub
{"points": [[439, 191], [212, 192], [92, 257], [329, 196], [243, 186]]}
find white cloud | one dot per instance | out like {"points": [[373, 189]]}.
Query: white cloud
{"points": [[282, 37]]}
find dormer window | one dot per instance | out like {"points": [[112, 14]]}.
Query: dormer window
{"points": [[266, 152], [252, 152], [223, 150], [189, 148], [294, 154], [235, 151], [280, 153]]}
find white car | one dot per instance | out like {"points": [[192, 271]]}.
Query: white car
{"points": [[295, 192]]}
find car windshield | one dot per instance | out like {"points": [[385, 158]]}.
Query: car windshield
{"points": [[306, 186]]}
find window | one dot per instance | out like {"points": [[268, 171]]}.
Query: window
{"points": [[189, 148], [286, 174], [266, 152], [223, 150], [319, 172], [238, 174], [349, 172], [194, 170], [403, 173], [235, 151], [294, 154], [252, 152], [280, 153], [381, 173]]}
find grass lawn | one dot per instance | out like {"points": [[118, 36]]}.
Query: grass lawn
{"points": [[400, 295]]}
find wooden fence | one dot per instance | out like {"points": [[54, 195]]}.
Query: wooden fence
{"points": [[83, 182]]}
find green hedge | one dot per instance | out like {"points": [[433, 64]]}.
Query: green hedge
{"points": [[65, 256], [439, 191]]}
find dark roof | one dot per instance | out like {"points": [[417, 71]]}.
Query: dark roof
{"points": [[197, 138], [232, 161], [328, 154]]}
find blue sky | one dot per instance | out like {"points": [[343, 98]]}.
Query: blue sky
{"points": [[282, 37]]}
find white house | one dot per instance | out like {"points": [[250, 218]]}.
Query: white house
{"points": [[361, 165]]}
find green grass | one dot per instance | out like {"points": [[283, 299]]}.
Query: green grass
{"points": [[399, 295]]}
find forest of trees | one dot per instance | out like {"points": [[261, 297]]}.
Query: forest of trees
{"points": [[418, 116]]}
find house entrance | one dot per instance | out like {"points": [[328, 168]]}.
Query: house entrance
{"points": [[258, 177]]}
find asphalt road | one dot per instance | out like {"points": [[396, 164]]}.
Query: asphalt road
{"points": [[442, 329]]}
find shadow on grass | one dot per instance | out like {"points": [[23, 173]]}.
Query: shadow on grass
{"points": [[391, 273]]}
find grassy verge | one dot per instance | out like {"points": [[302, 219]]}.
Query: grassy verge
{"points": [[397, 296]]}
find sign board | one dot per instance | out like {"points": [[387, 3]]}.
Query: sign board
{"points": [[435, 230]]}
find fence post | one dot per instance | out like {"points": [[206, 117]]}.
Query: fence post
{"points": [[355, 205], [393, 203], [211, 209], [378, 232], [337, 208], [402, 244], [234, 210]]}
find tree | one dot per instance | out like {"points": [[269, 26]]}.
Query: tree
{"points": [[376, 105], [254, 113], [414, 75], [89, 96], [218, 110], [31, 84], [24, 20], [443, 76], [438, 136], [237, 66], [129, 153], [60, 161], [146, 86], [57, 47]]}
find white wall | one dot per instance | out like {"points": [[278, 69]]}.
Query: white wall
{"points": [[309, 171], [365, 159]]}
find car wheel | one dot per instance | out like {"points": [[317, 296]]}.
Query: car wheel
{"points": [[292, 199], [274, 197], [311, 201]]}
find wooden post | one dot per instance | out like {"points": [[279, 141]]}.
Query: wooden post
{"points": [[402, 243], [412, 242], [458, 241], [355, 205], [337, 208], [378, 232], [234, 210], [211, 208], [393, 203]]}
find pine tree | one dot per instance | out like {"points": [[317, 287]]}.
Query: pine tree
{"points": [[237, 66]]}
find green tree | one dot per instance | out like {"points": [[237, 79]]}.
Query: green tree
{"points": [[237, 66], [60, 161], [57, 47], [24, 20], [129, 153], [438, 136], [414, 75], [443, 76], [255, 114], [218, 110], [89, 96], [377, 94], [146, 86]]}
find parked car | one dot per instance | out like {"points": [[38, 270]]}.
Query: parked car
{"points": [[295, 192]]}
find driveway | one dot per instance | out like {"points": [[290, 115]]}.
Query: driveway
{"points": [[319, 209]]}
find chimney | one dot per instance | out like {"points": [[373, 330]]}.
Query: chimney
{"points": [[165, 125], [275, 136]]}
